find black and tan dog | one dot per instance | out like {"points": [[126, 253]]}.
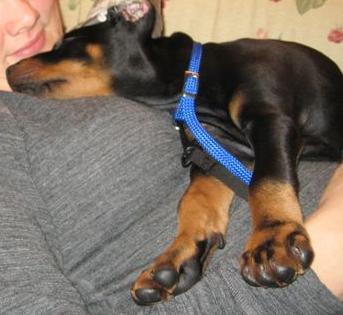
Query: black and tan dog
{"points": [[269, 101]]}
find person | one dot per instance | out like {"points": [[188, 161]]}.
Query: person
{"points": [[27, 28], [89, 196]]}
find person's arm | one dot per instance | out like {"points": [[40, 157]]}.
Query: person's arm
{"points": [[325, 227]]}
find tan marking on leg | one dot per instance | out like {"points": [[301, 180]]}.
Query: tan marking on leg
{"points": [[272, 200], [205, 206], [279, 248], [203, 213], [235, 106]]}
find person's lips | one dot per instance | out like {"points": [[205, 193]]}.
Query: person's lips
{"points": [[32, 47]]}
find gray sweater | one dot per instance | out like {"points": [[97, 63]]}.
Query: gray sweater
{"points": [[88, 196]]}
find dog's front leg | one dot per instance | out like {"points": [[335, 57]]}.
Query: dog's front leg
{"points": [[203, 216], [279, 248]]}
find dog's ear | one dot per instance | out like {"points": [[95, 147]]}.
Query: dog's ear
{"points": [[142, 16]]}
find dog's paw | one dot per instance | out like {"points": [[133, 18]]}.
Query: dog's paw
{"points": [[176, 270], [276, 255]]}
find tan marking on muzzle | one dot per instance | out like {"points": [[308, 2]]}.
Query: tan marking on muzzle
{"points": [[73, 78], [81, 80]]}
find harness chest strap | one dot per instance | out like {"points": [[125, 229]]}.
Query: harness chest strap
{"points": [[209, 155]]}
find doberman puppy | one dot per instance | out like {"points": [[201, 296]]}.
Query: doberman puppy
{"points": [[268, 101]]}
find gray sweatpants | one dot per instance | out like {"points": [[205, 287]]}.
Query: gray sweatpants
{"points": [[88, 197]]}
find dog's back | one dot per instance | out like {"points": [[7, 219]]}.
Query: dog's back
{"points": [[288, 77]]}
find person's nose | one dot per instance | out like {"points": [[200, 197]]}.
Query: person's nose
{"points": [[23, 19]]}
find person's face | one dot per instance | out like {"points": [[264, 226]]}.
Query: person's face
{"points": [[27, 27]]}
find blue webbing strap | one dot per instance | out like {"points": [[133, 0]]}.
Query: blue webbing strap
{"points": [[186, 115]]}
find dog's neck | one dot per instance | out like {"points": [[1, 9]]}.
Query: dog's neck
{"points": [[162, 63]]}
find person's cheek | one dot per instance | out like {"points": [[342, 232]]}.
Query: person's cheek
{"points": [[45, 8], [3, 64], [50, 20]]}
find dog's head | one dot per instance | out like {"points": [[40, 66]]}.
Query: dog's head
{"points": [[88, 60]]}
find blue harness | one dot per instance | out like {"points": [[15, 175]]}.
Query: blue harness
{"points": [[216, 160]]}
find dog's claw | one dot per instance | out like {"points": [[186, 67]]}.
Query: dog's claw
{"points": [[147, 296], [166, 277], [297, 244], [176, 271], [264, 278], [190, 274], [248, 277]]}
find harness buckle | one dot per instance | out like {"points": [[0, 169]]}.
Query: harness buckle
{"points": [[186, 156], [192, 74], [188, 95], [190, 88]]}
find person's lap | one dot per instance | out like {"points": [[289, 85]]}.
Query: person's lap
{"points": [[110, 174]]}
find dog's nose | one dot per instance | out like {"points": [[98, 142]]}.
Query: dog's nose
{"points": [[20, 82], [9, 70], [21, 79], [10, 75]]}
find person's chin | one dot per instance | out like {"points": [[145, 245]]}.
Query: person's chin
{"points": [[4, 86]]}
